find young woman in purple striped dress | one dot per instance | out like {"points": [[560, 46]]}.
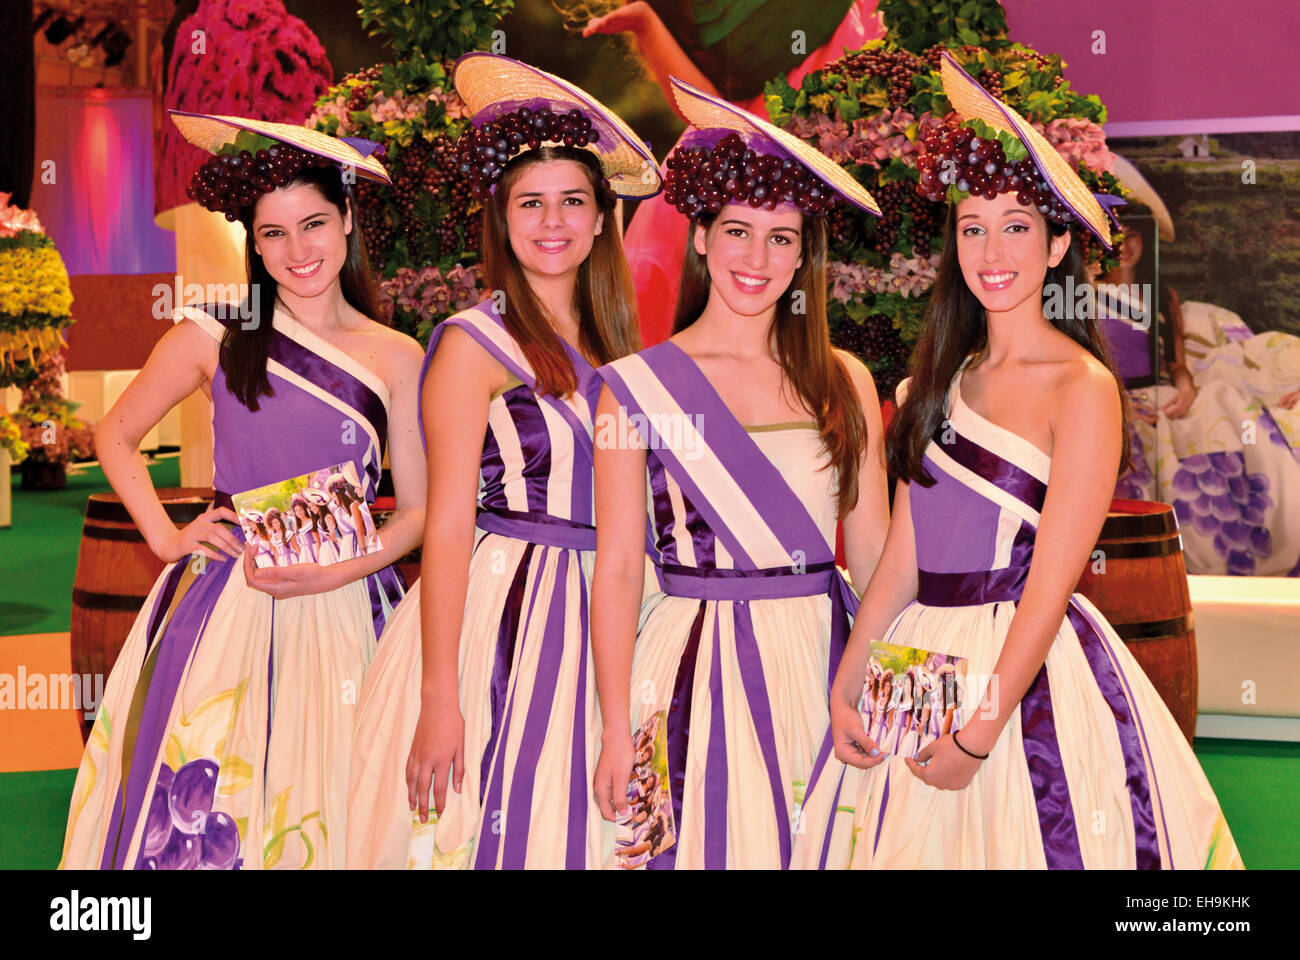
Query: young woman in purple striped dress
{"points": [[477, 725]]}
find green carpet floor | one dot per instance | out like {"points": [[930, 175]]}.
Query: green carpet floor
{"points": [[38, 554], [1257, 783]]}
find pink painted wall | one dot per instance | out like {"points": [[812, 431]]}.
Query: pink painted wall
{"points": [[1174, 60]]}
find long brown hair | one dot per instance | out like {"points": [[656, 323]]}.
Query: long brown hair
{"points": [[802, 345], [955, 328], [244, 351], [604, 298]]}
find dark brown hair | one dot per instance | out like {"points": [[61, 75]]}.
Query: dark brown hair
{"points": [[802, 345], [955, 328], [244, 351], [605, 299]]}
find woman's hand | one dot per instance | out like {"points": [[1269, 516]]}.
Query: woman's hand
{"points": [[200, 536], [849, 737], [630, 18], [1144, 412], [437, 755], [290, 580], [943, 765], [613, 774], [1182, 401]]}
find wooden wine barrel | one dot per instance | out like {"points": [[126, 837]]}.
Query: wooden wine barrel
{"points": [[115, 572], [1143, 593], [380, 511]]}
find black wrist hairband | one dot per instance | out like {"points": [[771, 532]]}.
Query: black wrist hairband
{"points": [[965, 751]]}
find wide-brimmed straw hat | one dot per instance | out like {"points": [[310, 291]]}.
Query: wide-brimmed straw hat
{"points": [[971, 101], [707, 112], [1131, 179], [211, 132], [492, 85]]}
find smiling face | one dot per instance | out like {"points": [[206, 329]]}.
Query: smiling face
{"points": [[1005, 249], [552, 218], [302, 238], [752, 255]]}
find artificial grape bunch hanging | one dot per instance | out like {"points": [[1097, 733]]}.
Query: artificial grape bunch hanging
{"points": [[229, 182], [955, 156], [375, 228], [896, 67], [483, 152], [701, 182], [877, 342], [926, 219]]}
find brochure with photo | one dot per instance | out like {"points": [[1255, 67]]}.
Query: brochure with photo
{"points": [[649, 829], [320, 517], [911, 697]]}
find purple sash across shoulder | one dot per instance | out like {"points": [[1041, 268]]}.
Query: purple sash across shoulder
{"points": [[312, 395], [776, 548], [484, 324]]}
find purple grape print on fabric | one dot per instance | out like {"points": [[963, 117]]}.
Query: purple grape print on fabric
{"points": [[1136, 480], [1214, 493], [182, 832], [1275, 434]]}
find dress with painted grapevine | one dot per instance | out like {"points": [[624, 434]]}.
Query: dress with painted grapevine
{"points": [[224, 737]]}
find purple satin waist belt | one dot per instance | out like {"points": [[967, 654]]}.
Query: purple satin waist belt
{"points": [[970, 589], [534, 526], [770, 583]]}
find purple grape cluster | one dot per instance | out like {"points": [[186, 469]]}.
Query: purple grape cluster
{"points": [[701, 182], [182, 832], [876, 342], [1214, 493], [483, 152], [955, 156], [229, 182], [897, 68]]}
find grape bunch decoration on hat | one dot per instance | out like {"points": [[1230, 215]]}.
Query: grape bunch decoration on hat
{"points": [[975, 160], [702, 181], [483, 152], [251, 166]]}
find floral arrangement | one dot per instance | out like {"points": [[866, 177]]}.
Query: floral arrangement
{"points": [[422, 234], [869, 111], [11, 439], [238, 58], [46, 418], [35, 299]]}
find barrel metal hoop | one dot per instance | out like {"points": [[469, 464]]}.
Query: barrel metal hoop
{"points": [[89, 600], [1134, 550], [112, 533], [1124, 526], [1156, 629]]}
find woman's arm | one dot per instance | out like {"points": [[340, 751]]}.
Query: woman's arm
{"points": [[616, 589], [891, 588], [455, 400], [1179, 374], [866, 524], [180, 362], [1086, 422], [662, 53]]}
